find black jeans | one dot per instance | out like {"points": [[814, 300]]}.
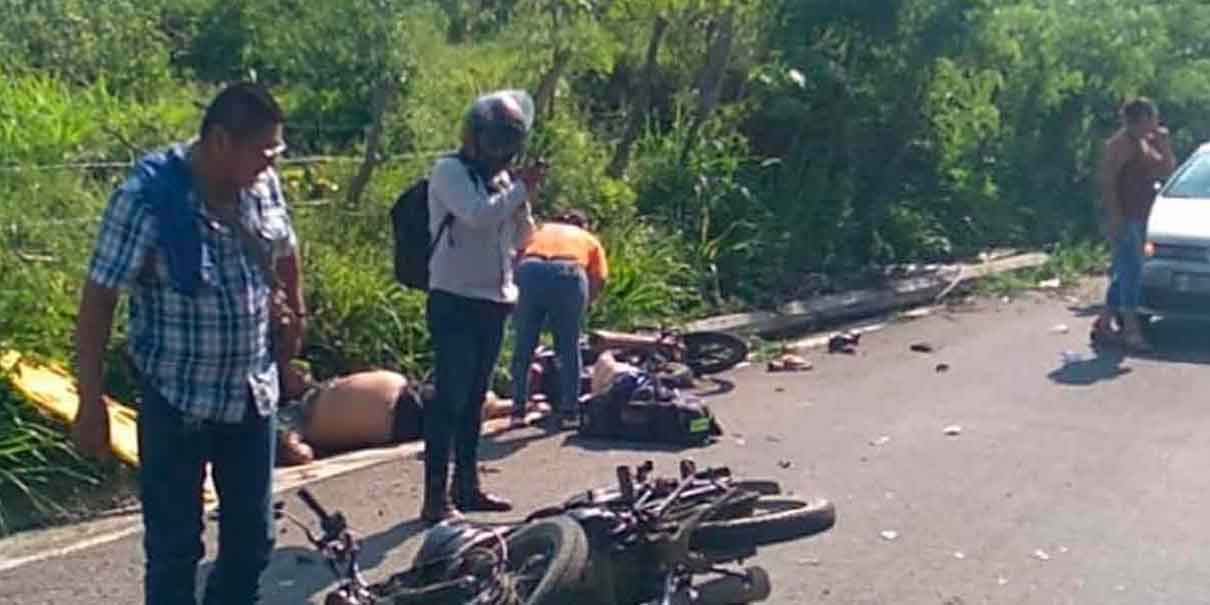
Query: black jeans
{"points": [[173, 450], [466, 334]]}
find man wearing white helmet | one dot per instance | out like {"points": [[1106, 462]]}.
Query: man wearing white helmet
{"points": [[480, 215]]}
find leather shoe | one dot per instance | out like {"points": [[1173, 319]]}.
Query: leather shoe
{"points": [[481, 501]]}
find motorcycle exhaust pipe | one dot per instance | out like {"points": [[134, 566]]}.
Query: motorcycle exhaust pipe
{"points": [[753, 587]]}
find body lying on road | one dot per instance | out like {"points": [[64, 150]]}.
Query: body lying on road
{"points": [[361, 410]]}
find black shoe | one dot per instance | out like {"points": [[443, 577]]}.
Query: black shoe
{"points": [[481, 501], [436, 512], [560, 421]]}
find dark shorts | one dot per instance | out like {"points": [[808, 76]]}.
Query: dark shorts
{"points": [[408, 424], [292, 415]]}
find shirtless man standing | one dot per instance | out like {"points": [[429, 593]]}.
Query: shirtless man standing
{"points": [[1135, 157]]}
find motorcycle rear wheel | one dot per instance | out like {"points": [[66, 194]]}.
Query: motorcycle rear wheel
{"points": [[772, 520], [713, 352]]}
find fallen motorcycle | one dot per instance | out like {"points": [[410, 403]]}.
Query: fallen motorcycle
{"points": [[647, 541], [541, 563], [674, 357], [704, 352], [652, 538]]}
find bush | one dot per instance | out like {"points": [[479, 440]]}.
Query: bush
{"points": [[846, 134]]}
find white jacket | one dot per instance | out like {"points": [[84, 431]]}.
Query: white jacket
{"points": [[474, 257]]}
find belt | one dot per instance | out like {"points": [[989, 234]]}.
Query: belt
{"points": [[556, 258]]}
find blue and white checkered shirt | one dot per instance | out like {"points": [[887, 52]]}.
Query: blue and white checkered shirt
{"points": [[209, 354]]}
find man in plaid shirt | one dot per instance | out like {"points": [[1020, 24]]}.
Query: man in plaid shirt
{"points": [[200, 237]]}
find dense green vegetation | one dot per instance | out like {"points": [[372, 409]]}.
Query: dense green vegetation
{"points": [[729, 149]]}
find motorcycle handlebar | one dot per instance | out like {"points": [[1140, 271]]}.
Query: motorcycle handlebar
{"points": [[314, 505]]}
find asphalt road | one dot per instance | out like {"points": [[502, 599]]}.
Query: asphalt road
{"points": [[1077, 481]]}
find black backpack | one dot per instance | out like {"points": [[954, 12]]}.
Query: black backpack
{"points": [[413, 245], [634, 408], [410, 223]]}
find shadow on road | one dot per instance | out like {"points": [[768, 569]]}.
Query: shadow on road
{"points": [[1106, 365], [593, 444], [494, 448], [1084, 311], [297, 574], [1172, 341]]}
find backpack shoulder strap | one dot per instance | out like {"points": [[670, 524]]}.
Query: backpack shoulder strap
{"points": [[445, 224], [449, 216]]}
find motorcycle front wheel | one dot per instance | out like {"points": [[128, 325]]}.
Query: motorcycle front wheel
{"points": [[548, 561]]}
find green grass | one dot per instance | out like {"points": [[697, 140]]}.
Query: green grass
{"points": [[34, 456], [1068, 263], [709, 211]]}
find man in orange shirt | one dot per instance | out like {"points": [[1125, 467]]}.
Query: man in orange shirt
{"points": [[562, 269]]}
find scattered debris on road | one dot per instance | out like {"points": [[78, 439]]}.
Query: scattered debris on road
{"points": [[844, 343], [959, 555], [785, 463], [789, 362], [943, 368], [1041, 555], [881, 441], [1060, 329], [810, 562], [890, 535], [1003, 581], [953, 430], [922, 347]]}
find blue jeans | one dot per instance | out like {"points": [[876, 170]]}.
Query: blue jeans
{"points": [[556, 291], [1126, 272], [173, 450]]}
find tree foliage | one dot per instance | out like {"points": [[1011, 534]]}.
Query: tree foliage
{"points": [[770, 138]]}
